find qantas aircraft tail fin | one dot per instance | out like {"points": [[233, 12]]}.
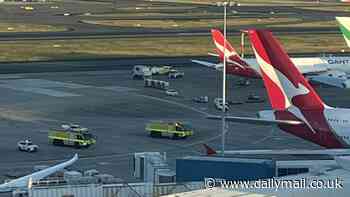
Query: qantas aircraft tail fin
{"points": [[285, 85]]}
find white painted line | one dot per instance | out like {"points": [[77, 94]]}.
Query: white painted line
{"points": [[174, 103], [119, 88]]}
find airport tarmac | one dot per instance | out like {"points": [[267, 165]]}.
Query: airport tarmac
{"points": [[83, 10], [100, 95], [116, 109]]}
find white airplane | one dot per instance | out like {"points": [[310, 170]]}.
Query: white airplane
{"points": [[296, 107], [325, 70], [23, 182]]}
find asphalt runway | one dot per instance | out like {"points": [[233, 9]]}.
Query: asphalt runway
{"points": [[70, 35], [116, 109], [44, 14]]}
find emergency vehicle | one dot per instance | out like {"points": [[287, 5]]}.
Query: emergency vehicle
{"points": [[71, 135], [175, 130]]}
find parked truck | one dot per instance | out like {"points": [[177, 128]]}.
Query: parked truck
{"points": [[71, 135], [175, 130]]}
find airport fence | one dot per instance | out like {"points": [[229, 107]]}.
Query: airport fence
{"points": [[114, 190], [148, 189]]}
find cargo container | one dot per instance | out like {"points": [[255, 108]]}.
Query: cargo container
{"points": [[197, 168], [157, 84]]}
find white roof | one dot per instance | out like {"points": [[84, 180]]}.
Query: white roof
{"points": [[304, 163], [216, 192], [324, 175]]}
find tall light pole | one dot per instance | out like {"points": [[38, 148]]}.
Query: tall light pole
{"points": [[224, 85]]}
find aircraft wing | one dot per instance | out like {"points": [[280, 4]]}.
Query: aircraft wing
{"points": [[258, 121], [22, 182], [208, 64], [331, 152]]}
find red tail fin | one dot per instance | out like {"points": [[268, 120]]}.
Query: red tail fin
{"points": [[285, 85], [209, 150], [218, 39], [237, 66]]}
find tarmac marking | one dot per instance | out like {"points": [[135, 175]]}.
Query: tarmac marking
{"points": [[44, 91], [262, 140], [119, 88], [81, 158], [270, 135], [174, 103], [42, 83], [46, 87], [3, 77], [18, 115], [43, 131], [104, 163], [41, 86]]}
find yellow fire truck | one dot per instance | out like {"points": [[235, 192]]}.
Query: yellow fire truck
{"points": [[175, 130], [71, 135]]}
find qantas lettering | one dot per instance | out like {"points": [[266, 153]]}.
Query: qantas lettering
{"points": [[334, 61], [333, 120]]}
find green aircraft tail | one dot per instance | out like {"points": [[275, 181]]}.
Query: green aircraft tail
{"points": [[344, 24]]}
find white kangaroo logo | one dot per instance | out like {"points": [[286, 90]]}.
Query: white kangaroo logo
{"points": [[286, 86]]}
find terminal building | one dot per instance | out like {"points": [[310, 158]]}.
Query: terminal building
{"points": [[324, 182], [157, 178]]}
